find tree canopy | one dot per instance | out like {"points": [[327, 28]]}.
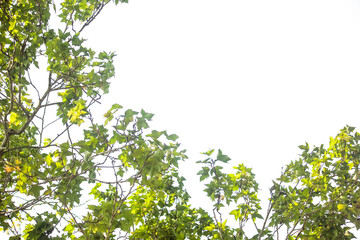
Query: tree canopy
{"points": [[68, 174]]}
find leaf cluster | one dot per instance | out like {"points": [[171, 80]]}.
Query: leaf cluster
{"points": [[66, 173]]}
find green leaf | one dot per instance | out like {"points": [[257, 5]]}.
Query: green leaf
{"points": [[357, 224], [210, 228], [156, 134], [147, 116], [341, 207], [110, 114], [222, 158], [35, 190], [76, 40], [304, 147], [69, 228], [12, 24], [203, 177], [208, 153], [76, 112], [172, 137], [48, 160], [180, 236], [16, 237], [256, 215], [129, 115], [15, 119], [141, 123]]}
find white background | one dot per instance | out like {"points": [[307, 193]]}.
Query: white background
{"points": [[254, 78]]}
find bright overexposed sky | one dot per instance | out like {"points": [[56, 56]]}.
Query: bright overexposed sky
{"points": [[254, 78]]}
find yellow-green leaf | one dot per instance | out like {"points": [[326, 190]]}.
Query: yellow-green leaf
{"points": [[210, 228], [48, 160], [341, 207]]}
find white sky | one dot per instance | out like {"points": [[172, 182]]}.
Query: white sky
{"points": [[254, 78]]}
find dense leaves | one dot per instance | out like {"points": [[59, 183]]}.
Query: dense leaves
{"points": [[316, 197], [68, 173]]}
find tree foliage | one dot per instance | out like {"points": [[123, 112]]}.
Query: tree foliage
{"points": [[67, 174]]}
